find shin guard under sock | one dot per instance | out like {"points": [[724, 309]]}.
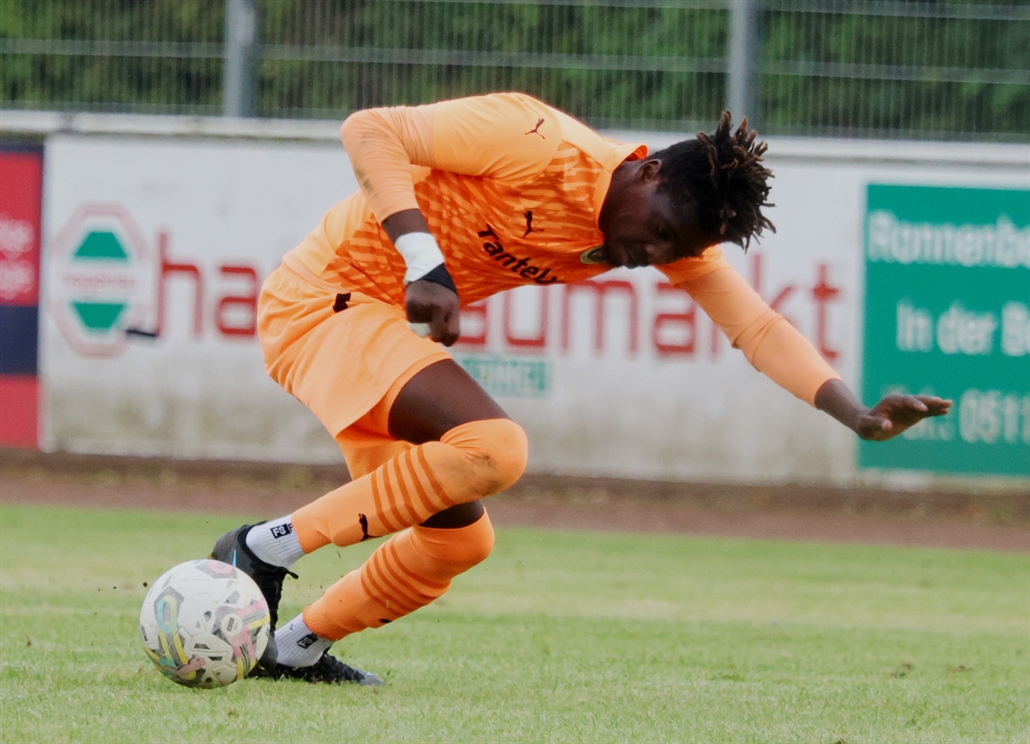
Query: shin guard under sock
{"points": [[408, 571], [470, 461]]}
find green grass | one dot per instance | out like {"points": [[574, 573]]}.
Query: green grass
{"points": [[557, 637]]}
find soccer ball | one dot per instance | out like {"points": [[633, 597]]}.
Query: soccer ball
{"points": [[204, 624]]}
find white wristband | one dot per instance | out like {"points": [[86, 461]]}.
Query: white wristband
{"points": [[420, 252]]}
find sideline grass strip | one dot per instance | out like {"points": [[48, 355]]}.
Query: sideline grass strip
{"points": [[558, 637]]}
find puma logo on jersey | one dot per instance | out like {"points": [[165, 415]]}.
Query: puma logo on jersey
{"points": [[521, 266], [529, 224], [536, 129], [363, 521], [341, 302]]}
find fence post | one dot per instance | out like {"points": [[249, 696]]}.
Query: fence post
{"points": [[241, 57], [742, 81]]}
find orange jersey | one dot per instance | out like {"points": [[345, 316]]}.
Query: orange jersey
{"points": [[511, 189]]}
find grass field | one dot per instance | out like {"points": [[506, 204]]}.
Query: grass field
{"points": [[557, 637]]}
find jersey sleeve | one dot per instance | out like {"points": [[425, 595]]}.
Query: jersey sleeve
{"points": [[507, 136], [769, 342], [679, 273], [383, 144]]}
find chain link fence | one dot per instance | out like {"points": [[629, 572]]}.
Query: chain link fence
{"points": [[929, 69]]}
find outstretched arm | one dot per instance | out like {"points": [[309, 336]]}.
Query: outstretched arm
{"points": [[888, 418], [771, 344], [776, 348]]}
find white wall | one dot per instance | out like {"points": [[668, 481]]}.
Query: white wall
{"points": [[615, 411], [186, 394]]}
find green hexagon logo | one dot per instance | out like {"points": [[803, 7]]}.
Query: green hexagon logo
{"points": [[100, 279]]}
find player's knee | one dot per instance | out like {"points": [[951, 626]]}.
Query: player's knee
{"points": [[456, 550], [496, 450], [474, 547], [509, 455], [481, 543]]}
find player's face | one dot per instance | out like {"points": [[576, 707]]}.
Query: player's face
{"points": [[640, 224]]}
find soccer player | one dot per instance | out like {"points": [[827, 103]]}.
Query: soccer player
{"points": [[460, 200]]}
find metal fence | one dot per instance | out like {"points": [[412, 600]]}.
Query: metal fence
{"points": [[924, 69]]}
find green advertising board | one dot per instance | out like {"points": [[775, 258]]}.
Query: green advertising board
{"points": [[947, 312]]}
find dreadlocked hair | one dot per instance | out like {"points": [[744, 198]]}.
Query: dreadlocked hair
{"points": [[721, 179]]}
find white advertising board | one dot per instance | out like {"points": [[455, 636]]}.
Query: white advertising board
{"points": [[174, 236], [620, 377]]}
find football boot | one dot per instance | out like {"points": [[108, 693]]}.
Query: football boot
{"points": [[327, 669], [232, 548]]}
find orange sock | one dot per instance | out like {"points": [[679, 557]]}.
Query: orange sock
{"points": [[470, 461], [408, 571]]}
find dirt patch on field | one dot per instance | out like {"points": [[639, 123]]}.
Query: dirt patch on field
{"points": [[999, 521]]}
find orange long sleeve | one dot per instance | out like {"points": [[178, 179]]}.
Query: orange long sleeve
{"points": [[485, 136], [770, 343], [479, 169], [383, 144]]}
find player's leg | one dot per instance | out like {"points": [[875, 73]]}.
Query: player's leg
{"points": [[429, 406], [479, 451], [415, 566], [462, 447], [407, 572], [334, 356], [362, 460]]}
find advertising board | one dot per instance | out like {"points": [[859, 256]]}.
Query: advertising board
{"points": [[156, 249], [947, 309], [21, 192]]}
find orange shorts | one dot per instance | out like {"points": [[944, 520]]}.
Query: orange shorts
{"points": [[347, 366]]}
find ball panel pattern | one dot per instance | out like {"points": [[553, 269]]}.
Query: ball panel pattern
{"points": [[204, 624]]}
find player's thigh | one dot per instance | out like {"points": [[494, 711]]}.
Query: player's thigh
{"points": [[434, 401], [437, 399], [344, 365]]}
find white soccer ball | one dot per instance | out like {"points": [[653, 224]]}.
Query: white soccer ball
{"points": [[204, 624]]}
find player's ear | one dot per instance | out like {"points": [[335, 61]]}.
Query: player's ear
{"points": [[649, 169]]}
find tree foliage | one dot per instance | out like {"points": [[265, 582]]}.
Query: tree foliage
{"points": [[926, 74]]}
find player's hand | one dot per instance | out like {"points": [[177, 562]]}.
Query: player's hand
{"points": [[896, 413], [432, 303]]}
